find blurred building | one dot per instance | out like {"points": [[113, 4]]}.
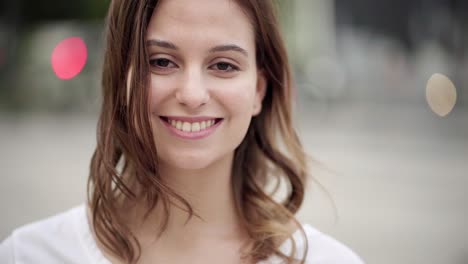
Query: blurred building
{"points": [[437, 27]]}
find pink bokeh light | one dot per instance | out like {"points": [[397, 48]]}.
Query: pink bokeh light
{"points": [[69, 58]]}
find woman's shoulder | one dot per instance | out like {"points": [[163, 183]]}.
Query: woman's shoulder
{"points": [[321, 248], [55, 224], [325, 249], [55, 239]]}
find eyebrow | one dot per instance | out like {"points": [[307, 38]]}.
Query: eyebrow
{"points": [[229, 47], [161, 43], [220, 48]]}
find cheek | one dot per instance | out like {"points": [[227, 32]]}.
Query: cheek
{"points": [[237, 95], [160, 88]]}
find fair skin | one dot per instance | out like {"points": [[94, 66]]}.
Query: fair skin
{"points": [[202, 57]]}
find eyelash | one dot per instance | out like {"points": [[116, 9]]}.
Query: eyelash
{"points": [[230, 66], [153, 62]]}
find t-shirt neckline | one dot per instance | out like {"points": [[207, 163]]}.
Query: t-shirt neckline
{"points": [[94, 253]]}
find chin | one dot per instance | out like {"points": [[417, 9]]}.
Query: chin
{"points": [[188, 161], [191, 164]]}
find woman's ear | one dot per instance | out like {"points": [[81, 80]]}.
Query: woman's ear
{"points": [[260, 92]]}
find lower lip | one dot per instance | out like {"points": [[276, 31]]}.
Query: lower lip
{"points": [[192, 135]]}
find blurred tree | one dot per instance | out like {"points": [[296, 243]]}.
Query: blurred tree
{"points": [[38, 11], [18, 20], [409, 21]]}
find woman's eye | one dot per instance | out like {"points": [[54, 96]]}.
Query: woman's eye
{"points": [[162, 63], [225, 67]]}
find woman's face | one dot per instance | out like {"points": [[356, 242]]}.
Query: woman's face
{"points": [[205, 85]]}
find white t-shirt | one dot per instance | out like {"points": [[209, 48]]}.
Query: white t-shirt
{"points": [[66, 238]]}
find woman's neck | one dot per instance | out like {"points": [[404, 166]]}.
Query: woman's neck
{"points": [[209, 193]]}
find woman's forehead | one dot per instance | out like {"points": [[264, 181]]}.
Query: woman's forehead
{"points": [[201, 22]]}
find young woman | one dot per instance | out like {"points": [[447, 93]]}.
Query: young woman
{"points": [[195, 127]]}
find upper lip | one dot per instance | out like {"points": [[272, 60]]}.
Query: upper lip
{"points": [[191, 119]]}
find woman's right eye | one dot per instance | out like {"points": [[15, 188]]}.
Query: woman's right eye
{"points": [[162, 63]]}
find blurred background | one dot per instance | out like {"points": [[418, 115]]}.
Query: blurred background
{"points": [[393, 169]]}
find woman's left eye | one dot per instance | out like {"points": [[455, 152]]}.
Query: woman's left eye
{"points": [[225, 67]]}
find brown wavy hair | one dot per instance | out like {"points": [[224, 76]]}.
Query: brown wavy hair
{"points": [[124, 166]]}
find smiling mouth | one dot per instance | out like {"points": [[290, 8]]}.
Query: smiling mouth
{"points": [[191, 124]]}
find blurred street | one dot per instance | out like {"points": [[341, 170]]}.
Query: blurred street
{"points": [[398, 177], [396, 174]]}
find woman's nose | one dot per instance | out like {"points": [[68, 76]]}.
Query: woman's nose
{"points": [[192, 91]]}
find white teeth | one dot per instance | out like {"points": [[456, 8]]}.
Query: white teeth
{"points": [[191, 127], [186, 127], [195, 127]]}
